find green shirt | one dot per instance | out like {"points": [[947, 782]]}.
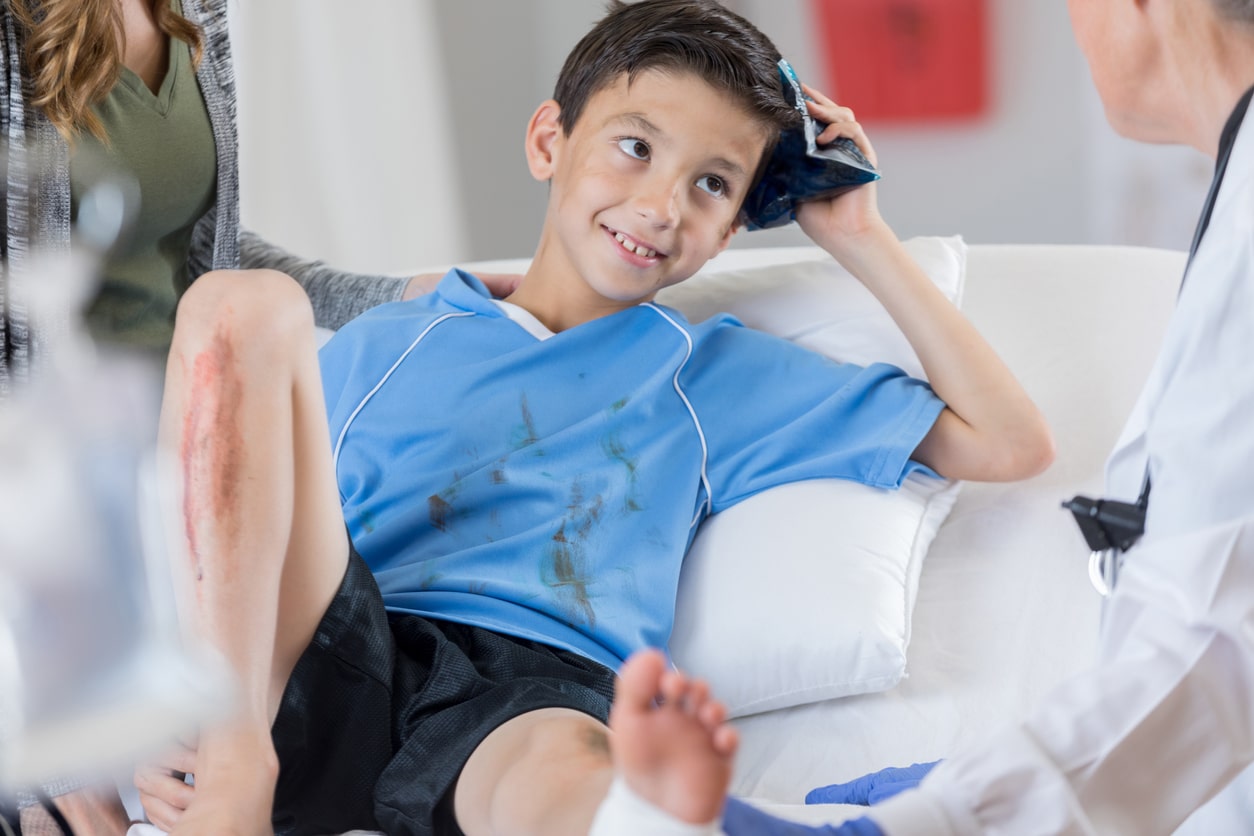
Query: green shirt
{"points": [[165, 141]]}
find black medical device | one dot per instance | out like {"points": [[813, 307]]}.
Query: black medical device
{"points": [[1107, 523]]}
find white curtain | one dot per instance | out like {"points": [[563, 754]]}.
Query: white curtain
{"points": [[344, 140]]}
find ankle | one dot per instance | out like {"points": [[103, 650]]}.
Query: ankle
{"points": [[624, 813]]}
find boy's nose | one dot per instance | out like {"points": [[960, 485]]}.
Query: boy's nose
{"points": [[658, 203]]}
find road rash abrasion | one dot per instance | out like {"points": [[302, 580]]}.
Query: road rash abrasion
{"points": [[212, 447]]}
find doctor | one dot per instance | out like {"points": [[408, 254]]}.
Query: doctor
{"points": [[1165, 722]]}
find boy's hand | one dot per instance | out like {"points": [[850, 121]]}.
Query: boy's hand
{"points": [[838, 223], [163, 792]]}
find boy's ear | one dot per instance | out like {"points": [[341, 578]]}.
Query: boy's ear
{"points": [[544, 135], [729, 234]]}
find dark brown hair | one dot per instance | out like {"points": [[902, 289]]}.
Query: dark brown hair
{"points": [[1241, 11], [683, 36]]}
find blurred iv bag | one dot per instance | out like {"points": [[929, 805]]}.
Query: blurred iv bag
{"points": [[93, 670]]}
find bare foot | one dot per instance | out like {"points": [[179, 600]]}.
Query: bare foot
{"points": [[676, 754]]}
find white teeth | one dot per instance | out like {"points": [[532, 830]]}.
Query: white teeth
{"points": [[638, 249]]}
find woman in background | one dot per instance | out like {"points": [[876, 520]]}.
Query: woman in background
{"points": [[144, 87]]}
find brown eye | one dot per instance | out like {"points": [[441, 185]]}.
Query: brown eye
{"points": [[712, 185], [635, 148]]}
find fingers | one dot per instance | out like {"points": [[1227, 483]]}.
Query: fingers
{"points": [[163, 792], [857, 791], [500, 284], [163, 816], [181, 758], [872, 788], [887, 790], [840, 122], [421, 285]]}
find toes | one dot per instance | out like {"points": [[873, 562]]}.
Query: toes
{"points": [[725, 740], [712, 715], [698, 697], [639, 681], [674, 689]]}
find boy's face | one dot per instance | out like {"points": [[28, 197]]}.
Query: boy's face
{"points": [[644, 190]]}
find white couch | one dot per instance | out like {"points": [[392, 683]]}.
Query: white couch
{"points": [[1005, 609]]}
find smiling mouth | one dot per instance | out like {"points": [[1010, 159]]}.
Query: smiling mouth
{"points": [[634, 247]]}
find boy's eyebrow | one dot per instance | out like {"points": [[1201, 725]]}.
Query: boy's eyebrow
{"points": [[642, 124], [638, 121]]}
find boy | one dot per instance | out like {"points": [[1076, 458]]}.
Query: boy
{"points": [[523, 478]]}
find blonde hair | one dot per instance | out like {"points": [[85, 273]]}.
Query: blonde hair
{"points": [[73, 55]]}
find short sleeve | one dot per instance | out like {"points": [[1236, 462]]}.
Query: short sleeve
{"points": [[773, 412]]}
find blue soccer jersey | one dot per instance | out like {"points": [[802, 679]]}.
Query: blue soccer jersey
{"points": [[549, 488]]}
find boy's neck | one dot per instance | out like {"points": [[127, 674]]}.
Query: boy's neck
{"points": [[554, 294]]}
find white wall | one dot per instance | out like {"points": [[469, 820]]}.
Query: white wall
{"points": [[344, 153], [1016, 173], [419, 160]]}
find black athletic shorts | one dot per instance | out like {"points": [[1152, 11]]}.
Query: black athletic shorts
{"points": [[383, 710]]}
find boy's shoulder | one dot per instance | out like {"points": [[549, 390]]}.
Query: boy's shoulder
{"points": [[459, 292], [714, 323], [387, 330]]}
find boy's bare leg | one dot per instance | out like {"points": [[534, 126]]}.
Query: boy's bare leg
{"points": [[547, 772], [265, 542]]}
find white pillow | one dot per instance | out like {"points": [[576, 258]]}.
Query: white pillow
{"points": [[805, 592]]}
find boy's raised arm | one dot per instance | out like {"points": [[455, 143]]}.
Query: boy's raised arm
{"points": [[991, 430]]}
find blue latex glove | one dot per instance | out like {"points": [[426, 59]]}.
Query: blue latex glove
{"points": [[873, 788], [740, 819]]}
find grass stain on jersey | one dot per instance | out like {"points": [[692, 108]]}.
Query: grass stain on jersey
{"points": [[439, 511], [566, 564]]}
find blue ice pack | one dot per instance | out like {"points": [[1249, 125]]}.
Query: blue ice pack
{"points": [[800, 170]]}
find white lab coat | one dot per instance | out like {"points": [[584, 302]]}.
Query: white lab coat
{"points": [[1166, 718]]}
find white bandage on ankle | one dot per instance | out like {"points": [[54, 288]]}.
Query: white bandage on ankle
{"points": [[623, 813]]}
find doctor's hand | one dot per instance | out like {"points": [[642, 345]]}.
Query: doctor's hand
{"points": [[872, 788], [499, 284], [741, 819], [839, 221]]}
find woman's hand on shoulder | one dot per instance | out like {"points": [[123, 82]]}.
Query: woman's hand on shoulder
{"points": [[499, 284]]}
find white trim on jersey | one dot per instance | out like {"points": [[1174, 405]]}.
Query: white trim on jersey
{"points": [[339, 442], [705, 451]]}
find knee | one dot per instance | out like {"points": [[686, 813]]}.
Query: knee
{"points": [[557, 767], [264, 310]]}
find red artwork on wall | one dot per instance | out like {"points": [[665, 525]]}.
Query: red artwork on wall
{"points": [[905, 59]]}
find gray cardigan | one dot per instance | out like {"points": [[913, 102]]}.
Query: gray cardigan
{"points": [[40, 211]]}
